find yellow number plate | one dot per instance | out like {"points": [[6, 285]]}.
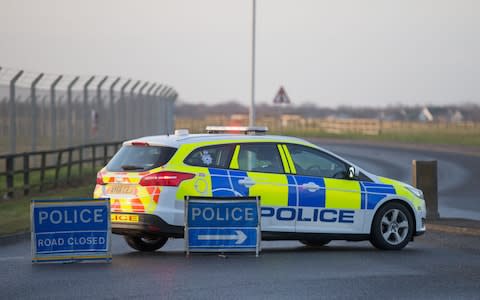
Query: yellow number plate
{"points": [[119, 218], [120, 189]]}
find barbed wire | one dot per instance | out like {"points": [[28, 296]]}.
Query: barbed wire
{"points": [[47, 79]]}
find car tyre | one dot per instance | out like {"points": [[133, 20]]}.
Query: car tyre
{"points": [[144, 243], [315, 242], [392, 227]]}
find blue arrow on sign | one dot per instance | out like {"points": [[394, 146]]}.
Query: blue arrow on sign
{"points": [[203, 238], [218, 225], [239, 237]]}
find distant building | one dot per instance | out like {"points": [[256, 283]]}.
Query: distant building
{"points": [[425, 115], [456, 116]]}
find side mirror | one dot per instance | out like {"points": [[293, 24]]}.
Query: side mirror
{"points": [[352, 172]]}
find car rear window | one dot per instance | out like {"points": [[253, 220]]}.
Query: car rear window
{"points": [[140, 158]]}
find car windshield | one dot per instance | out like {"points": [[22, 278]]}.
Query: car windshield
{"points": [[140, 158]]}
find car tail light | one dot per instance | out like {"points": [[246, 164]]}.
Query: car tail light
{"points": [[100, 179], [165, 178]]}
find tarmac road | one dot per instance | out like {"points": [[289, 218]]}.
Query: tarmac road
{"points": [[436, 266], [458, 174]]}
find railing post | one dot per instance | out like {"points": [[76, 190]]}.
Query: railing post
{"points": [[94, 157], [33, 96], [424, 177], [12, 112], [58, 167], [9, 168], [53, 109], [42, 170], [26, 174], [69, 111], [80, 160], [69, 166]]}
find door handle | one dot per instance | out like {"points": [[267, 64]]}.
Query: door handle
{"points": [[311, 186], [247, 181]]}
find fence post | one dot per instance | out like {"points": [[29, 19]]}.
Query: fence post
{"points": [[123, 110], [172, 110], [85, 111], [53, 110], [105, 154], [12, 112], [164, 109], [33, 96], [424, 177], [141, 110], [147, 110], [111, 123], [155, 110], [131, 112], [101, 130], [69, 111], [26, 174]]}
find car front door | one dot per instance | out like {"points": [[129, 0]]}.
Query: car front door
{"points": [[259, 168], [328, 201]]}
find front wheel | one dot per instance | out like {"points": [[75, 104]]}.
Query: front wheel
{"points": [[144, 243], [392, 227]]}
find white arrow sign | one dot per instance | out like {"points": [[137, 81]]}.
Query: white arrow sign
{"points": [[239, 236]]}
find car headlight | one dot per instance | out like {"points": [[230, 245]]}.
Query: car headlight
{"points": [[416, 192]]}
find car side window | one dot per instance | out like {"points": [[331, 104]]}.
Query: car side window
{"points": [[260, 157], [217, 156], [313, 162]]}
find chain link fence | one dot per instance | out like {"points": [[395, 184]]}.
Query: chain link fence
{"points": [[40, 111]]}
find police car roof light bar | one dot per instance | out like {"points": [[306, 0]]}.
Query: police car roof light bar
{"points": [[237, 129]]}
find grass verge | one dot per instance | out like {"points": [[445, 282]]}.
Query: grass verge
{"points": [[436, 137], [15, 213]]}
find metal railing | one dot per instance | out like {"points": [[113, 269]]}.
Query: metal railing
{"points": [[40, 111], [36, 171]]}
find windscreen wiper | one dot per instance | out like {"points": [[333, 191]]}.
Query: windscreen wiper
{"points": [[131, 167]]}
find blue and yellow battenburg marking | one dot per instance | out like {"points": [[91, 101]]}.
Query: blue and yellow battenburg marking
{"points": [[331, 193]]}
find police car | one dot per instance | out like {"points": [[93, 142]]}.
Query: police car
{"points": [[306, 193]]}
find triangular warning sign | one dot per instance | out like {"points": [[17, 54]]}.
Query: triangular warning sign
{"points": [[281, 97]]}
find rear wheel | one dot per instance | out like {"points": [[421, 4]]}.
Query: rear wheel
{"points": [[392, 227], [144, 243], [315, 242]]}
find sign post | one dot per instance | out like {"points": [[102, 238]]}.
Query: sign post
{"points": [[222, 225], [71, 230]]}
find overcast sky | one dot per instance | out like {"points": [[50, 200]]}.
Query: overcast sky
{"points": [[337, 52]]}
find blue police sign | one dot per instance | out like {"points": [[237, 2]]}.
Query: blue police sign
{"points": [[68, 230], [222, 225]]}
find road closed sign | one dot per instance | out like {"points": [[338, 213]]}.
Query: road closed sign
{"points": [[71, 230], [222, 225]]}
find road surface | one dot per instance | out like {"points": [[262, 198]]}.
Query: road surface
{"points": [[436, 266]]}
